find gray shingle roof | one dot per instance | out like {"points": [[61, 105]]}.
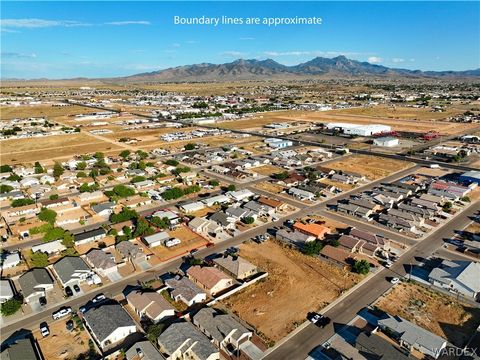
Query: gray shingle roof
{"points": [[183, 336], [105, 319], [20, 350], [67, 266], [219, 325], [29, 280], [144, 348], [183, 287], [411, 333]]}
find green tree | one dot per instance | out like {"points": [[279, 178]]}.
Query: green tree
{"points": [[181, 169], [10, 306], [138, 178], [125, 154], [5, 189], [447, 206], [190, 146], [173, 193], [47, 215], [231, 187], [171, 162], [55, 233], [38, 168], [248, 220], [312, 248], [154, 332], [58, 170], [361, 267], [124, 215], [141, 154], [161, 223], [82, 165], [281, 176], [14, 177], [213, 183], [5, 168], [22, 202], [123, 191], [53, 197], [39, 259], [142, 228]]}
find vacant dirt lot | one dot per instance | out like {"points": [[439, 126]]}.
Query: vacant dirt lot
{"points": [[296, 285], [372, 167], [440, 314], [403, 121], [11, 112], [267, 170], [61, 343], [51, 147], [268, 186]]}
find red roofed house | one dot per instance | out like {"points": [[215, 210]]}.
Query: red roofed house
{"points": [[210, 279], [317, 230]]}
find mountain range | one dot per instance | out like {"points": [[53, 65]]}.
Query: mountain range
{"points": [[339, 66]]}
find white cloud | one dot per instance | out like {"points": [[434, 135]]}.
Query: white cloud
{"points": [[176, 45], [234, 54], [128, 22], [398, 60], [16, 55], [39, 23], [374, 59]]}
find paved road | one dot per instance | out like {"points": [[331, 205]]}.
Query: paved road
{"points": [[32, 321], [298, 347]]}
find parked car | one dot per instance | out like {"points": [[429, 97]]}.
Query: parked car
{"points": [[98, 298], [388, 264], [318, 319], [68, 291], [62, 312], [232, 250], [193, 251], [82, 309], [42, 300], [44, 329], [76, 288]]}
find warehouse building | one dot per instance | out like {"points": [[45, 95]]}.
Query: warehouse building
{"points": [[360, 130], [470, 177], [387, 141]]}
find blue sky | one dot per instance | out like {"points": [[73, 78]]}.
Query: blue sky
{"points": [[102, 39]]}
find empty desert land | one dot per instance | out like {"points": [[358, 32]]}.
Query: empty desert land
{"points": [[440, 314], [296, 284], [48, 111], [372, 167], [50, 147]]}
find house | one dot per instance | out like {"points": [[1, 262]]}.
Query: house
{"points": [[143, 350], [89, 236], [71, 270], [10, 260], [22, 349], [396, 222], [295, 238], [104, 209], [118, 227], [6, 290], [450, 190], [259, 209], [108, 324], [236, 212], [151, 305], [458, 276], [55, 203], [209, 279], [52, 247], [336, 256], [129, 250], [103, 263], [368, 237], [182, 289], [172, 217], [274, 204], [223, 220], [35, 283], [237, 267], [225, 331], [156, 239], [317, 230], [412, 337], [301, 194], [219, 199], [240, 195], [192, 207], [373, 346], [183, 341], [88, 197]]}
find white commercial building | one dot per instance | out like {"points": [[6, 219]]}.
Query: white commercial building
{"points": [[360, 130], [386, 141]]}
